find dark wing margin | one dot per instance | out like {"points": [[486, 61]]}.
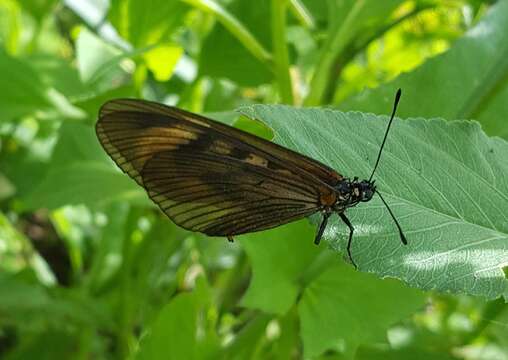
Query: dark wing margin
{"points": [[209, 177]]}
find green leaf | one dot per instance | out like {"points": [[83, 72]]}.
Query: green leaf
{"points": [[108, 249], [89, 183], [289, 335], [153, 280], [27, 92], [173, 335], [37, 8], [242, 67], [26, 303], [10, 26], [180, 331], [76, 143], [47, 345], [464, 82], [162, 60], [443, 180], [16, 165], [7, 189], [59, 74], [492, 114], [401, 354], [347, 305], [147, 22], [81, 173], [274, 271], [98, 62], [12, 246]]}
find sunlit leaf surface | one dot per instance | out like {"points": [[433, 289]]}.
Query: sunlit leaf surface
{"points": [[466, 82]]}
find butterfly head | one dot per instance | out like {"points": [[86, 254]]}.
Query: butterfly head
{"points": [[366, 190], [353, 191]]}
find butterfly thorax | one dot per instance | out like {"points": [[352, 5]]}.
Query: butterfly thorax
{"points": [[351, 192]]}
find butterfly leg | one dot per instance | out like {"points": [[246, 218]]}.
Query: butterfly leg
{"points": [[322, 227], [351, 230], [230, 238]]}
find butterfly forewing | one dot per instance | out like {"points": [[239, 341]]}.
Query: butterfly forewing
{"points": [[209, 177]]}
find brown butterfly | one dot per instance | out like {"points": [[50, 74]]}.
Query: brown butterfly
{"points": [[218, 180]]}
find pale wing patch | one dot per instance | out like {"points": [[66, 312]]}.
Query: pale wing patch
{"points": [[256, 160], [179, 133], [221, 147]]}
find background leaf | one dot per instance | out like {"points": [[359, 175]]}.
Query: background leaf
{"points": [[220, 45], [278, 257], [81, 174], [468, 81], [335, 305], [175, 333], [148, 22], [27, 92]]}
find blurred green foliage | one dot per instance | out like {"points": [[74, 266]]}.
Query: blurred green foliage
{"points": [[89, 268]]}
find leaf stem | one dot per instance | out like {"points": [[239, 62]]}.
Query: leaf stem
{"points": [[281, 56], [336, 42], [358, 46], [125, 334], [303, 15], [235, 27]]}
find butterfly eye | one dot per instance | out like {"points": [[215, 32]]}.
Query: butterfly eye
{"points": [[367, 194]]}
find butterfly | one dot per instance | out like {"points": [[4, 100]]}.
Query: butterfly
{"points": [[215, 179]]}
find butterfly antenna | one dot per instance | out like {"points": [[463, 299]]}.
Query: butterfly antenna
{"points": [[396, 102], [402, 236]]}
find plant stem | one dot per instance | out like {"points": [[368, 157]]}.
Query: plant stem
{"points": [[280, 50], [358, 46], [303, 15], [125, 334], [235, 27], [337, 41]]}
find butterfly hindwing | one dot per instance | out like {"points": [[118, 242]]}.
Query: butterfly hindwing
{"points": [[202, 192]]}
